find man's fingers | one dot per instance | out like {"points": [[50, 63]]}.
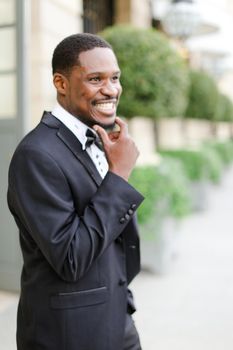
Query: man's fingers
{"points": [[123, 126], [102, 134], [107, 138], [113, 136]]}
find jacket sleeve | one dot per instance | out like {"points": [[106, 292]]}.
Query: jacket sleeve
{"points": [[40, 198]]}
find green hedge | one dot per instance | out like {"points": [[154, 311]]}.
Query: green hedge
{"points": [[192, 160], [213, 162], [159, 184], [223, 149], [199, 164], [154, 77], [169, 181]]}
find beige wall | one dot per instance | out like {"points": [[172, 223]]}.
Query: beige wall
{"points": [[181, 133], [140, 13], [141, 130], [223, 131], [170, 133], [196, 131], [135, 12], [51, 21], [226, 84]]}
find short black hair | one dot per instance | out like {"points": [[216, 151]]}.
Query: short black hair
{"points": [[66, 53]]}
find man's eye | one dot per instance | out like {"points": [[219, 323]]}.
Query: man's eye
{"points": [[116, 77], [95, 79]]}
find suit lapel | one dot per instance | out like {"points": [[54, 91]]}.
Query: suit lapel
{"points": [[71, 141]]}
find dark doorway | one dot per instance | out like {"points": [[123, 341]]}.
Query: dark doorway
{"points": [[97, 15]]}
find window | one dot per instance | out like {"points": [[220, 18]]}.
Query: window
{"points": [[7, 59]]}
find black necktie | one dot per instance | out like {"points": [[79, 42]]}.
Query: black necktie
{"points": [[93, 138]]}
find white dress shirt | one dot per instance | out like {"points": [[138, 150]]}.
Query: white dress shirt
{"points": [[79, 130]]}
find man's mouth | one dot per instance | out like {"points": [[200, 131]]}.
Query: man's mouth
{"points": [[108, 106]]}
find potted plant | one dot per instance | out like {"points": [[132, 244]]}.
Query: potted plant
{"points": [[201, 166], [166, 202], [200, 114]]}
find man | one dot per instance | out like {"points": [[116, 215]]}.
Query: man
{"points": [[75, 210]]}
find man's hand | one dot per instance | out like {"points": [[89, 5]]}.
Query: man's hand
{"points": [[120, 150]]}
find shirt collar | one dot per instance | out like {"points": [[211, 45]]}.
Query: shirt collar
{"points": [[77, 127]]}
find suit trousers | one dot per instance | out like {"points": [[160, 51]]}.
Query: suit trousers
{"points": [[131, 338]]}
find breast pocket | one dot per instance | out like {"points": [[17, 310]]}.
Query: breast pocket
{"points": [[79, 299]]}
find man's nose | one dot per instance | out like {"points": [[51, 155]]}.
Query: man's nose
{"points": [[110, 89]]}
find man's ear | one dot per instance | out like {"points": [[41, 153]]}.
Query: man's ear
{"points": [[60, 82]]}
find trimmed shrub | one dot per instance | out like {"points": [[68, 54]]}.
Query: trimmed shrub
{"points": [[154, 77], [192, 160], [176, 186], [164, 183], [203, 96], [213, 163], [223, 149], [199, 164], [224, 111]]}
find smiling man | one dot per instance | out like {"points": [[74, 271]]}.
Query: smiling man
{"points": [[75, 210]]}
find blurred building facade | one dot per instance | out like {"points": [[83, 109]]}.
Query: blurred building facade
{"points": [[209, 46]]}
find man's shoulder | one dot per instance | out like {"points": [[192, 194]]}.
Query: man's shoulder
{"points": [[47, 125], [50, 120], [42, 137]]}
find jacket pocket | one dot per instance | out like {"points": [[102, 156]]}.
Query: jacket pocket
{"points": [[79, 299]]}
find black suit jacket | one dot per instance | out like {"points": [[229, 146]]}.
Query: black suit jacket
{"points": [[79, 242]]}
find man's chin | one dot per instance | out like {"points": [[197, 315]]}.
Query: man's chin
{"points": [[107, 127], [91, 122]]}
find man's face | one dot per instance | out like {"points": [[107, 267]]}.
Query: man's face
{"points": [[92, 90]]}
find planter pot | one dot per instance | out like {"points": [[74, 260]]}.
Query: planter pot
{"points": [[159, 243], [199, 194]]}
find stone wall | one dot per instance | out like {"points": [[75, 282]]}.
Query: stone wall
{"points": [[51, 21], [142, 131], [135, 12]]}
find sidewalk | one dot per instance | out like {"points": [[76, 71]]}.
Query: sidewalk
{"points": [[191, 307], [8, 305]]}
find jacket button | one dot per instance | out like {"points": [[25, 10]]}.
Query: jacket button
{"points": [[122, 282], [130, 211], [127, 216], [133, 206], [122, 220], [132, 246]]}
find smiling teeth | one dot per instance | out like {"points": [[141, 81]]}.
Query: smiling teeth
{"points": [[105, 106]]}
